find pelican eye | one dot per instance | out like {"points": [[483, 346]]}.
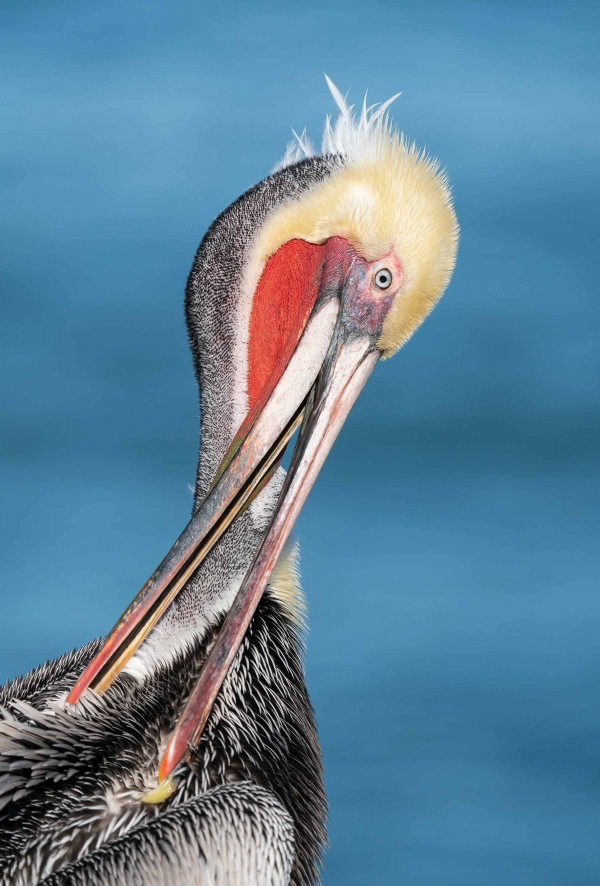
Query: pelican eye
{"points": [[383, 278]]}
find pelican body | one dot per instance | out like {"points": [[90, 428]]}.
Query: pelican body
{"points": [[182, 748]]}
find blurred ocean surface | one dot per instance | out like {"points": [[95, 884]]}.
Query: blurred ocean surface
{"points": [[450, 547]]}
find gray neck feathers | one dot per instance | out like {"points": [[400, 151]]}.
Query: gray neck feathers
{"points": [[212, 307]]}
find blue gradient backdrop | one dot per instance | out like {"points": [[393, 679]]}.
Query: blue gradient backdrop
{"points": [[450, 548]]}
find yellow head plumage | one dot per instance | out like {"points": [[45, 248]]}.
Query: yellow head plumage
{"points": [[386, 194]]}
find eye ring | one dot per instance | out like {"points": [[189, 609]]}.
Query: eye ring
{"points": [[383, 278]]}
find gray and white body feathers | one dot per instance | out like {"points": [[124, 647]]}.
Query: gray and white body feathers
{"points": [[248, 808]]}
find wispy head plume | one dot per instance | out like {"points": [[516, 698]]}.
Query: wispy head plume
{"points": [[347, 135]]}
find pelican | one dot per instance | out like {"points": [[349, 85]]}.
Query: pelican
{"points": [[182, 747]]}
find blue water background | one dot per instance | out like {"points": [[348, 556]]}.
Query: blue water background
{"points": [[450, 547]]}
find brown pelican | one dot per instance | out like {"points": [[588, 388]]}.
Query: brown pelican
{"points": [[182, 748]]}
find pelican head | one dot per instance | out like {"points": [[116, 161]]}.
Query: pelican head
{"points": [[297, 291]]}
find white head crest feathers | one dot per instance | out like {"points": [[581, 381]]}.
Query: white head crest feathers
{"points": [[348, 136]]}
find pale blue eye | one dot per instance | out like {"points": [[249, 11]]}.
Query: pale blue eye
{"points": [[383, 278]]}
